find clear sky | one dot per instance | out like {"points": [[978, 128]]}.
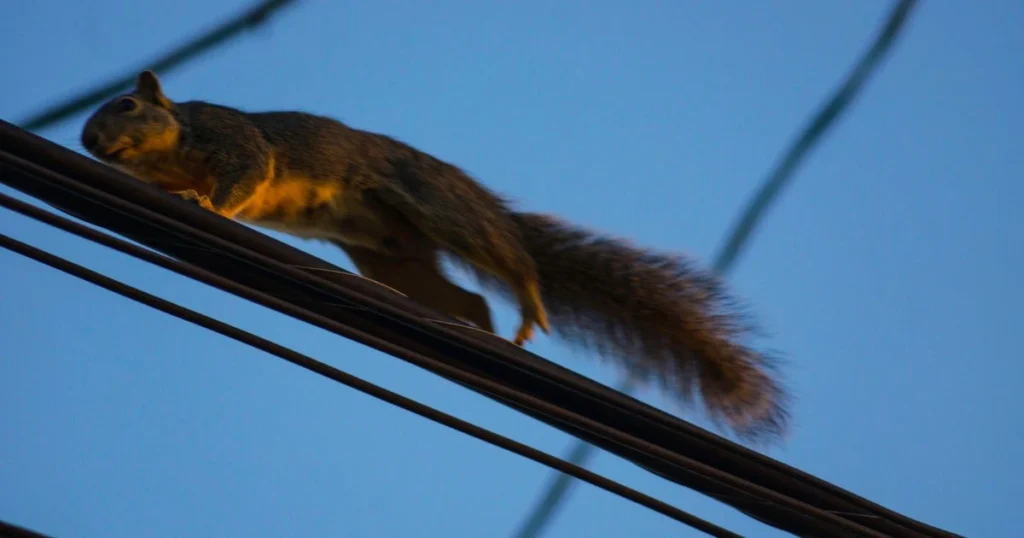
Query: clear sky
{"points": [[889, 274]]}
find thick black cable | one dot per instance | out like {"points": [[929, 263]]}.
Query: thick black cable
{"points": [[9, 530], [90, 196], [359, 384], [738, 486], [707, 488]]}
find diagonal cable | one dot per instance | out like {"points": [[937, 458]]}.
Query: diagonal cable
{"points": [[822, 520], [781, 175], [10, 530], [250, 19], [352, 381]]}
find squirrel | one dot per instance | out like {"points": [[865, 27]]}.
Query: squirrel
{"points": [[395, 210]]}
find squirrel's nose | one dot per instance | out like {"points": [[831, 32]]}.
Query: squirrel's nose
{"points": [[89, 140]]}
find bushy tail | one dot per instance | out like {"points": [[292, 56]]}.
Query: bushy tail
{"points": [[659, 316]]}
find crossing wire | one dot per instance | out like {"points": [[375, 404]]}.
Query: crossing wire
{"points": [[250, 19]]}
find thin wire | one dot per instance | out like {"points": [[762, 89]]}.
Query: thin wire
{"points": [[813, 132], [740, 487], [356, 383], [250, 19], [581, 452]]}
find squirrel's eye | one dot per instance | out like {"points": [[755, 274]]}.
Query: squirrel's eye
{"points": [[126, 105]]}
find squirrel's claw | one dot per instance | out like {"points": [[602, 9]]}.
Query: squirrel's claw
{"points": [[533, 314], [191, 195], [526, 330], [524, 334]]}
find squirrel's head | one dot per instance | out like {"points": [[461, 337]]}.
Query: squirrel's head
{"points": [[133, 124]]}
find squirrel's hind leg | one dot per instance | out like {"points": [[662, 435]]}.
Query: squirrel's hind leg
{"points": [[420, 277]]}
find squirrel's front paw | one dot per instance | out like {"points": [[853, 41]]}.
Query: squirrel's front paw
{"points": [[191, 195]]}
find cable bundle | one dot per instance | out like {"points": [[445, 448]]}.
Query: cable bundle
{"points": [[239, 260]]}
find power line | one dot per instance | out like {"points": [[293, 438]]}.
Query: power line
{"points": [[356, 308], [9, 530], [250, 19], [558, 486], [354, 382], [114, 200], [813, 132], [738, 488]]}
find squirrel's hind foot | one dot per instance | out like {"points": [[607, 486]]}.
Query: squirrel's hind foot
{"points": [[533, 315]]}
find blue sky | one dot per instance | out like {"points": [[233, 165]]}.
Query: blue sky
{"points": [[888, 274]]}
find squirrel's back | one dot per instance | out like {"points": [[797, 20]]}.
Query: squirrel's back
{"points": [[308, 145]]}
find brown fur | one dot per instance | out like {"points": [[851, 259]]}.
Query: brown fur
{"points": [[395, 210], [315, 177]]}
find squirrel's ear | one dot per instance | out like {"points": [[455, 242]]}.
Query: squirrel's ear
{"points": [[147, 85]]}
